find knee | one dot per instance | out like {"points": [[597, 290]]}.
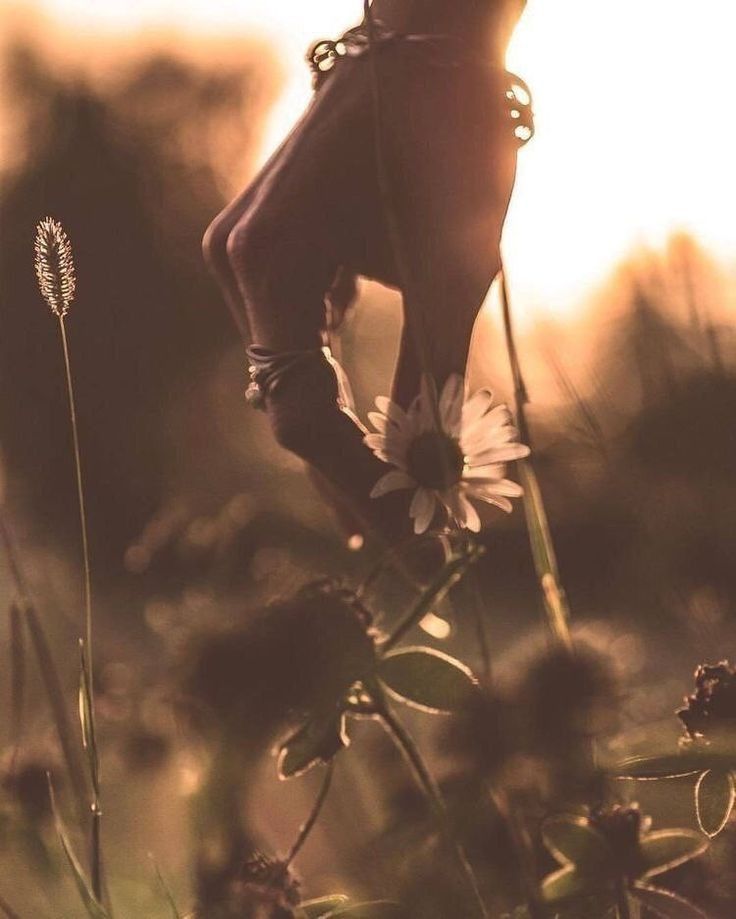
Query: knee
{"points": [[249, 244], [214, 244]]}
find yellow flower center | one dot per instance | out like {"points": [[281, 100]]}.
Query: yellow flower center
{"points": [[434, 460]]}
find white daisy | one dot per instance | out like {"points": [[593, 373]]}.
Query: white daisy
{"points": [[448, 451]]}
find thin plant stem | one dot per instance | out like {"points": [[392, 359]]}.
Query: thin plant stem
{"points": [[7, 910], [166, 891], [12, 557], [623, 910], [81, 502], [95, 840], [391, 560], [313, 817], [540, 537], [55, 694], [409, 750], [448, 575], [49, 673], [524, 853], [18, 680]]}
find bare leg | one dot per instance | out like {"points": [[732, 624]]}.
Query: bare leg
{"points": [[451, 158]]}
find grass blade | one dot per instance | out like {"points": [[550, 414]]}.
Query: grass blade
{"points": [[543, 553], [89, 742], [55, 694], [17, 677], [94, 908], [87, 720], [7, 909], [166, 890]]}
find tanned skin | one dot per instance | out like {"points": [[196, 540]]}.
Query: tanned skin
{"points": [[314, 216]]}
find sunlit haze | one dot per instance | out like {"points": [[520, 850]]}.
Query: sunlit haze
{"points": [[634, 136]]}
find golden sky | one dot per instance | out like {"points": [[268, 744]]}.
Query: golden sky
{"points": [[635, 136]]}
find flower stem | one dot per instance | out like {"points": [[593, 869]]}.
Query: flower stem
{"points": [[408, 748], [311, 820], [449, 574], [96, 854], [623, 910]]}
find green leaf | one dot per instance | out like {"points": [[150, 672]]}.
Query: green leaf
{"points": [[94, 908], [567, 884], [665, 849], [669, 766], [319, 740], [573, 840], [666, 904], [427, 679], [377, 909], [322, 906], [714, 799]]}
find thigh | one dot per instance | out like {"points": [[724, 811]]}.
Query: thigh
{"points": [[305, 218]]}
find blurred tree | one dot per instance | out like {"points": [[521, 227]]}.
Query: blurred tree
{"points": [[132, 173]]}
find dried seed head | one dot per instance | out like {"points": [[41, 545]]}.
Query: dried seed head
{"points": [[54, 266], [710, 712]]}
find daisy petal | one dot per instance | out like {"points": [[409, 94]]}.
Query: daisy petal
{"points": [[486, 440], [422, 509], [451, 403], [489, 471], [472, 520], [379, 421], [503, 503], [391, 410], [496, 487], [508, 488], [392, 457], [494, 422], [376, 441], [502, 454], [476, 406], [392, 481]]}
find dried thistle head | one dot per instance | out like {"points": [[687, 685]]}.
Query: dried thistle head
{"points": [[54, 266], [710, 712]]}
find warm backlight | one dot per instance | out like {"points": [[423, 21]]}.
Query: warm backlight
{"points": [[634, 132]]}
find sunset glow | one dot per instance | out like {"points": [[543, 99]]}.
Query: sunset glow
{"points": [[633, 136]]}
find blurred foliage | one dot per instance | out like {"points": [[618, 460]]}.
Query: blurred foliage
{"points": [[198, 522]]}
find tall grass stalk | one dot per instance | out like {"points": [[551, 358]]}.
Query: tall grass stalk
{"points": [[313, 817], [166, 891], [540, 536], [429, 788], [48, 670], [17, 680], [57, 282], [450, 573], [7, 910]]}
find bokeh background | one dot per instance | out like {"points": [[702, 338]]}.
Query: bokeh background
{"points": [[133, 123]]}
